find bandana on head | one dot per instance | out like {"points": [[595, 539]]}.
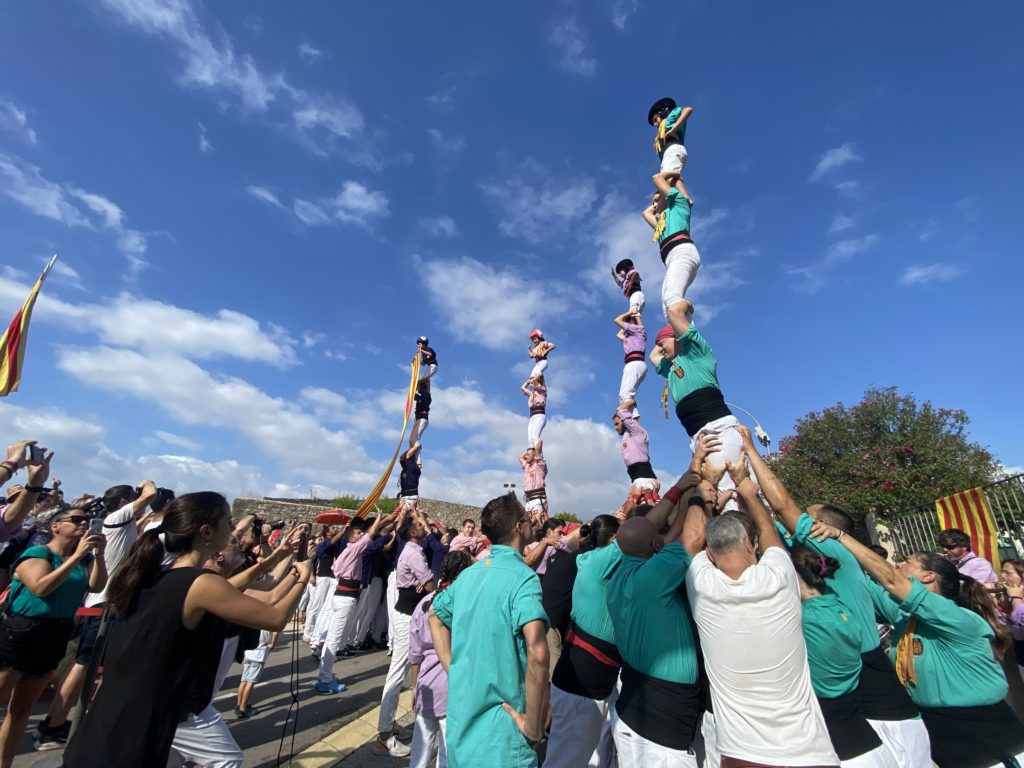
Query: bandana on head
{"points": [[665, 333]]}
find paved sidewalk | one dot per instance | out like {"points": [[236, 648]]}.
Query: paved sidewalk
{"points": [[351, 745]]}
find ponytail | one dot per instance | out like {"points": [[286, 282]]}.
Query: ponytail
{"points": [[598, 533], [453, 564], [183, 518]]}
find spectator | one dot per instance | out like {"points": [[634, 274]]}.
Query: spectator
{"points": [[166, 641], [488, 631], [124, 505], [429, 680], [946, 645], [466, 539], [738, 603], [48, 585], [539, 552], [252, 670], [957, 546]]}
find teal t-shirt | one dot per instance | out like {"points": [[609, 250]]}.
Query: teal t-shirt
{"points": [[850, 583], [833, 646], [59, 604], [653, 627], [677, 215], [953, 657], [693, 368], [590, 591], [670, 122], [486, 609]]}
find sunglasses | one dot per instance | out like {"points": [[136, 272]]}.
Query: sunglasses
{"points": [[74, 520]]}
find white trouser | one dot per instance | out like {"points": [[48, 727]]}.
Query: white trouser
{"points": [[729, 452], [396, 673], [368, 600], [681, 265], [580, 735], [880, 757], [390, 598], [321, 595], [535, 427], [205, 740], [427, 741], [343, 610], [323, 616], [227, 659], [637, 301], [712, 757], [419, 426], [907, 740], [304, 600], [633, 373], [379, 625], [538, 368], [637, 752], [674, 159]]}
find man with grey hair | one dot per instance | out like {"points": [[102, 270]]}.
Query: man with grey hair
{"points": [[749, 619]]}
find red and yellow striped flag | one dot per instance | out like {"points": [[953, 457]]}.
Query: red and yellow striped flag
{"points": [[969, 511], [12, 344], [374, 496]]}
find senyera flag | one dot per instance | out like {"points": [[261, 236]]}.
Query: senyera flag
{"points": [[969, 511], [374, 496], [12, 345]]}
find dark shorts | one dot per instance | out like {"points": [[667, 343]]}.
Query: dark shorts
{"points": [[33, 647], [87, 640]]}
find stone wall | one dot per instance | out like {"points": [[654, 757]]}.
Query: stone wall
{"points": [[305, 510]]}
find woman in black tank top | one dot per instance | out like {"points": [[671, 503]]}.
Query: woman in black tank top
{"points": [[166, 636]]}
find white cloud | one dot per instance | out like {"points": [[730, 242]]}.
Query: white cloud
{"points": [[571, 43], [14, 120], [440, 226], [179, 441], [443, 99], [67, 274], [204, 143], [538, 212], [146, 324], [263, 194], [446, 146], [840, 223], [357, 204], [920, 274], [310, 214], [834, 159], [622, 10], [309, 51], [851, 189], [494, 306], [319, 119], [26, 185], [811, 278]]}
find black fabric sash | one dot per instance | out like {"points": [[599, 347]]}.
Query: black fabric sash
{"points": [[973, 737], [700, 407], [882, 696], [848, 729], [408, 599], [659, 711], [642, 470]]}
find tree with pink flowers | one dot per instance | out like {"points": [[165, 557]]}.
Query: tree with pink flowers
{"points": [[886, 454]]}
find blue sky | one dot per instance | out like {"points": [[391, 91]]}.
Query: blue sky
{"points": [[259, 208]]}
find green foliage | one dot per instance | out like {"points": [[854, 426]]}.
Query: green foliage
{"points": [[386, 505], [886, 454], [567, 517]]}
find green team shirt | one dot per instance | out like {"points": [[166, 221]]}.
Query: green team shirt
{"points": [[833, 646], [590, 591], [670, 122], [692, 369], [653, 628], [677, 215], [953, 656], [486, 609], [849, 583], [59, 604]]}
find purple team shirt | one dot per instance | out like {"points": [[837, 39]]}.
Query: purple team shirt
{"points": [[635, 443], [978, 568], [412, 567], [432, 681], [349, 564], [635, 338]]}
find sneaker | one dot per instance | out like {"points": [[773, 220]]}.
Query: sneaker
{"points": [[315, 650], [403, 732], [47, 738], [335, 686], [353, 648], [242, 714], [344, 653], [392, 747]]}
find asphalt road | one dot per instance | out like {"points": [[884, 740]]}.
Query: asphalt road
{"points": [[259, 736]]}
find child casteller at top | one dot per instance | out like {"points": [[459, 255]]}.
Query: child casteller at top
{"points": [[670, 141]]}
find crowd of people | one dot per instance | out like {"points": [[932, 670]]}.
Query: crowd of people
{"points": [[717, 624]]}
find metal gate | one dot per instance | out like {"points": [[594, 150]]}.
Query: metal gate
{"points": [[917, 529]]}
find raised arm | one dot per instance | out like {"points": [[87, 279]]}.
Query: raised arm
{"points": [[650, 216], [616, 278], [663, 180], [621, 319], [881, 570], [683, 117], [524, 388], [656, 356], [767, 535], [699, 506], [778, 497], [213, 594], [19, 509]]}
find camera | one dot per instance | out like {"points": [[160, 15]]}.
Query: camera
{"points": [[277, 526], [34, 454], [96, 525], [96, 507], [303, 553]]}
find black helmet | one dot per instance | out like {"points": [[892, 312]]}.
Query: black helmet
{"points": [[423, 340], [624, 266], [660, 107]]}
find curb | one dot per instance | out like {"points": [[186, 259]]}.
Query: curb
{"points": [[334, 749]]}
